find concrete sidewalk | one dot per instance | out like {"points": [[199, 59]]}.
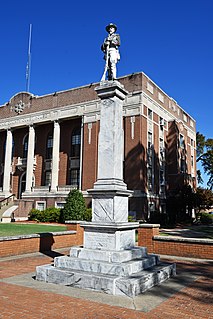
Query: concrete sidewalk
{"points": [[188, 295]]}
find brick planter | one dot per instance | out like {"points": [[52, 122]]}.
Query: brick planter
{"points": [[148, 236], [23, 244]]}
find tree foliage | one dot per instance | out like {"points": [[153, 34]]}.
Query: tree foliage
{"points": [[204, 198], [180, 204], [205, 157], [75, 207]]}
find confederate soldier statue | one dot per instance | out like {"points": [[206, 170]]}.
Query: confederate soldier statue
{"points": [[111, 52]]}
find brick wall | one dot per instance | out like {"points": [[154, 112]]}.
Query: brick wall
{"points": [[18, 245], [145, 236], [148, 236]]}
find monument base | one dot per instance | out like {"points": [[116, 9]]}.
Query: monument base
{"points": [[127, 272], [109, 262]]}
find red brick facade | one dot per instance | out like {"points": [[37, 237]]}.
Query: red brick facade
{"points": [[151, 120]]}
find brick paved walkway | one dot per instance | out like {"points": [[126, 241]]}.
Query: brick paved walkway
{"points": [[193, 301]]}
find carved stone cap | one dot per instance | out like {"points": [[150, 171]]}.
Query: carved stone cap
{"points": [[149, 225], [109, 89], [110, 227]]}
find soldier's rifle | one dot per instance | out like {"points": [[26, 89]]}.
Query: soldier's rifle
{"points": [[106, 64]]}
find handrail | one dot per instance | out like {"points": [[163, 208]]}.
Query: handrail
{"points": [[5, 200]]}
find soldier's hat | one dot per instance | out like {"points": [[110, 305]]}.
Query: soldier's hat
{"points": [[111, 25]]}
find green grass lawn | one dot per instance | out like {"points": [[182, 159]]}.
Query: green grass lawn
{"points": [[13, 229]]}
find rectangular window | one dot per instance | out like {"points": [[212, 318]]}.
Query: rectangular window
{"points": [[48, 178], [50, 142], [76, 139], [161, 123], [160, 97], [149, 162], [41, 205], [182, 165], [162, 150], [181, 141], [150, 114], [149, 139], [184, 117], [150, 88], [74, 177], [192, 160], [149, 148], [149, 178], [59, 204]]}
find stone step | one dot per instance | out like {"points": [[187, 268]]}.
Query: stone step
{"points": [[139, 283], [120, 269], [4, 208], [127, 286], [108, 255], [8, 215]]}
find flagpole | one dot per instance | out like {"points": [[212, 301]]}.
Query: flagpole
{"points": [[28, 68]]}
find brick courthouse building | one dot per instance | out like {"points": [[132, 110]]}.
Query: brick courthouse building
{"points": [[48, 145]]}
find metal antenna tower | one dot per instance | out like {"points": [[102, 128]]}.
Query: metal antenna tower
{"points": [[28, 68]]}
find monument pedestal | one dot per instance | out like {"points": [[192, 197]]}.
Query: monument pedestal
{"points": [[109, 260]]}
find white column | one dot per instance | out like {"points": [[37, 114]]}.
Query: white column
{"points": [[81, 152], [111, 139], [55, 156], [30, 158], [7, 163]]}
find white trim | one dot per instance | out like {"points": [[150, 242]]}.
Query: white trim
{"points": [[81, 154], [132, 120]]}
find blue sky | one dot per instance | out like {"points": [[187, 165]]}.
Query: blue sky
{"points": [[170, 41]]}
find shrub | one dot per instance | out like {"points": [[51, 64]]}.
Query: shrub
{"points": [[50, 214], [88, 215], [131, 219], [35, 214], [75, 207], [206, 219]]}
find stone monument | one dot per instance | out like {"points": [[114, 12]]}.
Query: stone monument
{"points": [[109, 261]]}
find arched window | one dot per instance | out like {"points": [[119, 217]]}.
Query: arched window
{"points": [[25, 145], [49, 147]]}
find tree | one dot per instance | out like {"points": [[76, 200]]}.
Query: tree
{"points": [[75, 207], [180, 204], [204, 199], [205, 157]]}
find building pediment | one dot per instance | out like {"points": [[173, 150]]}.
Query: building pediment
{"points": [[19, 102]]}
